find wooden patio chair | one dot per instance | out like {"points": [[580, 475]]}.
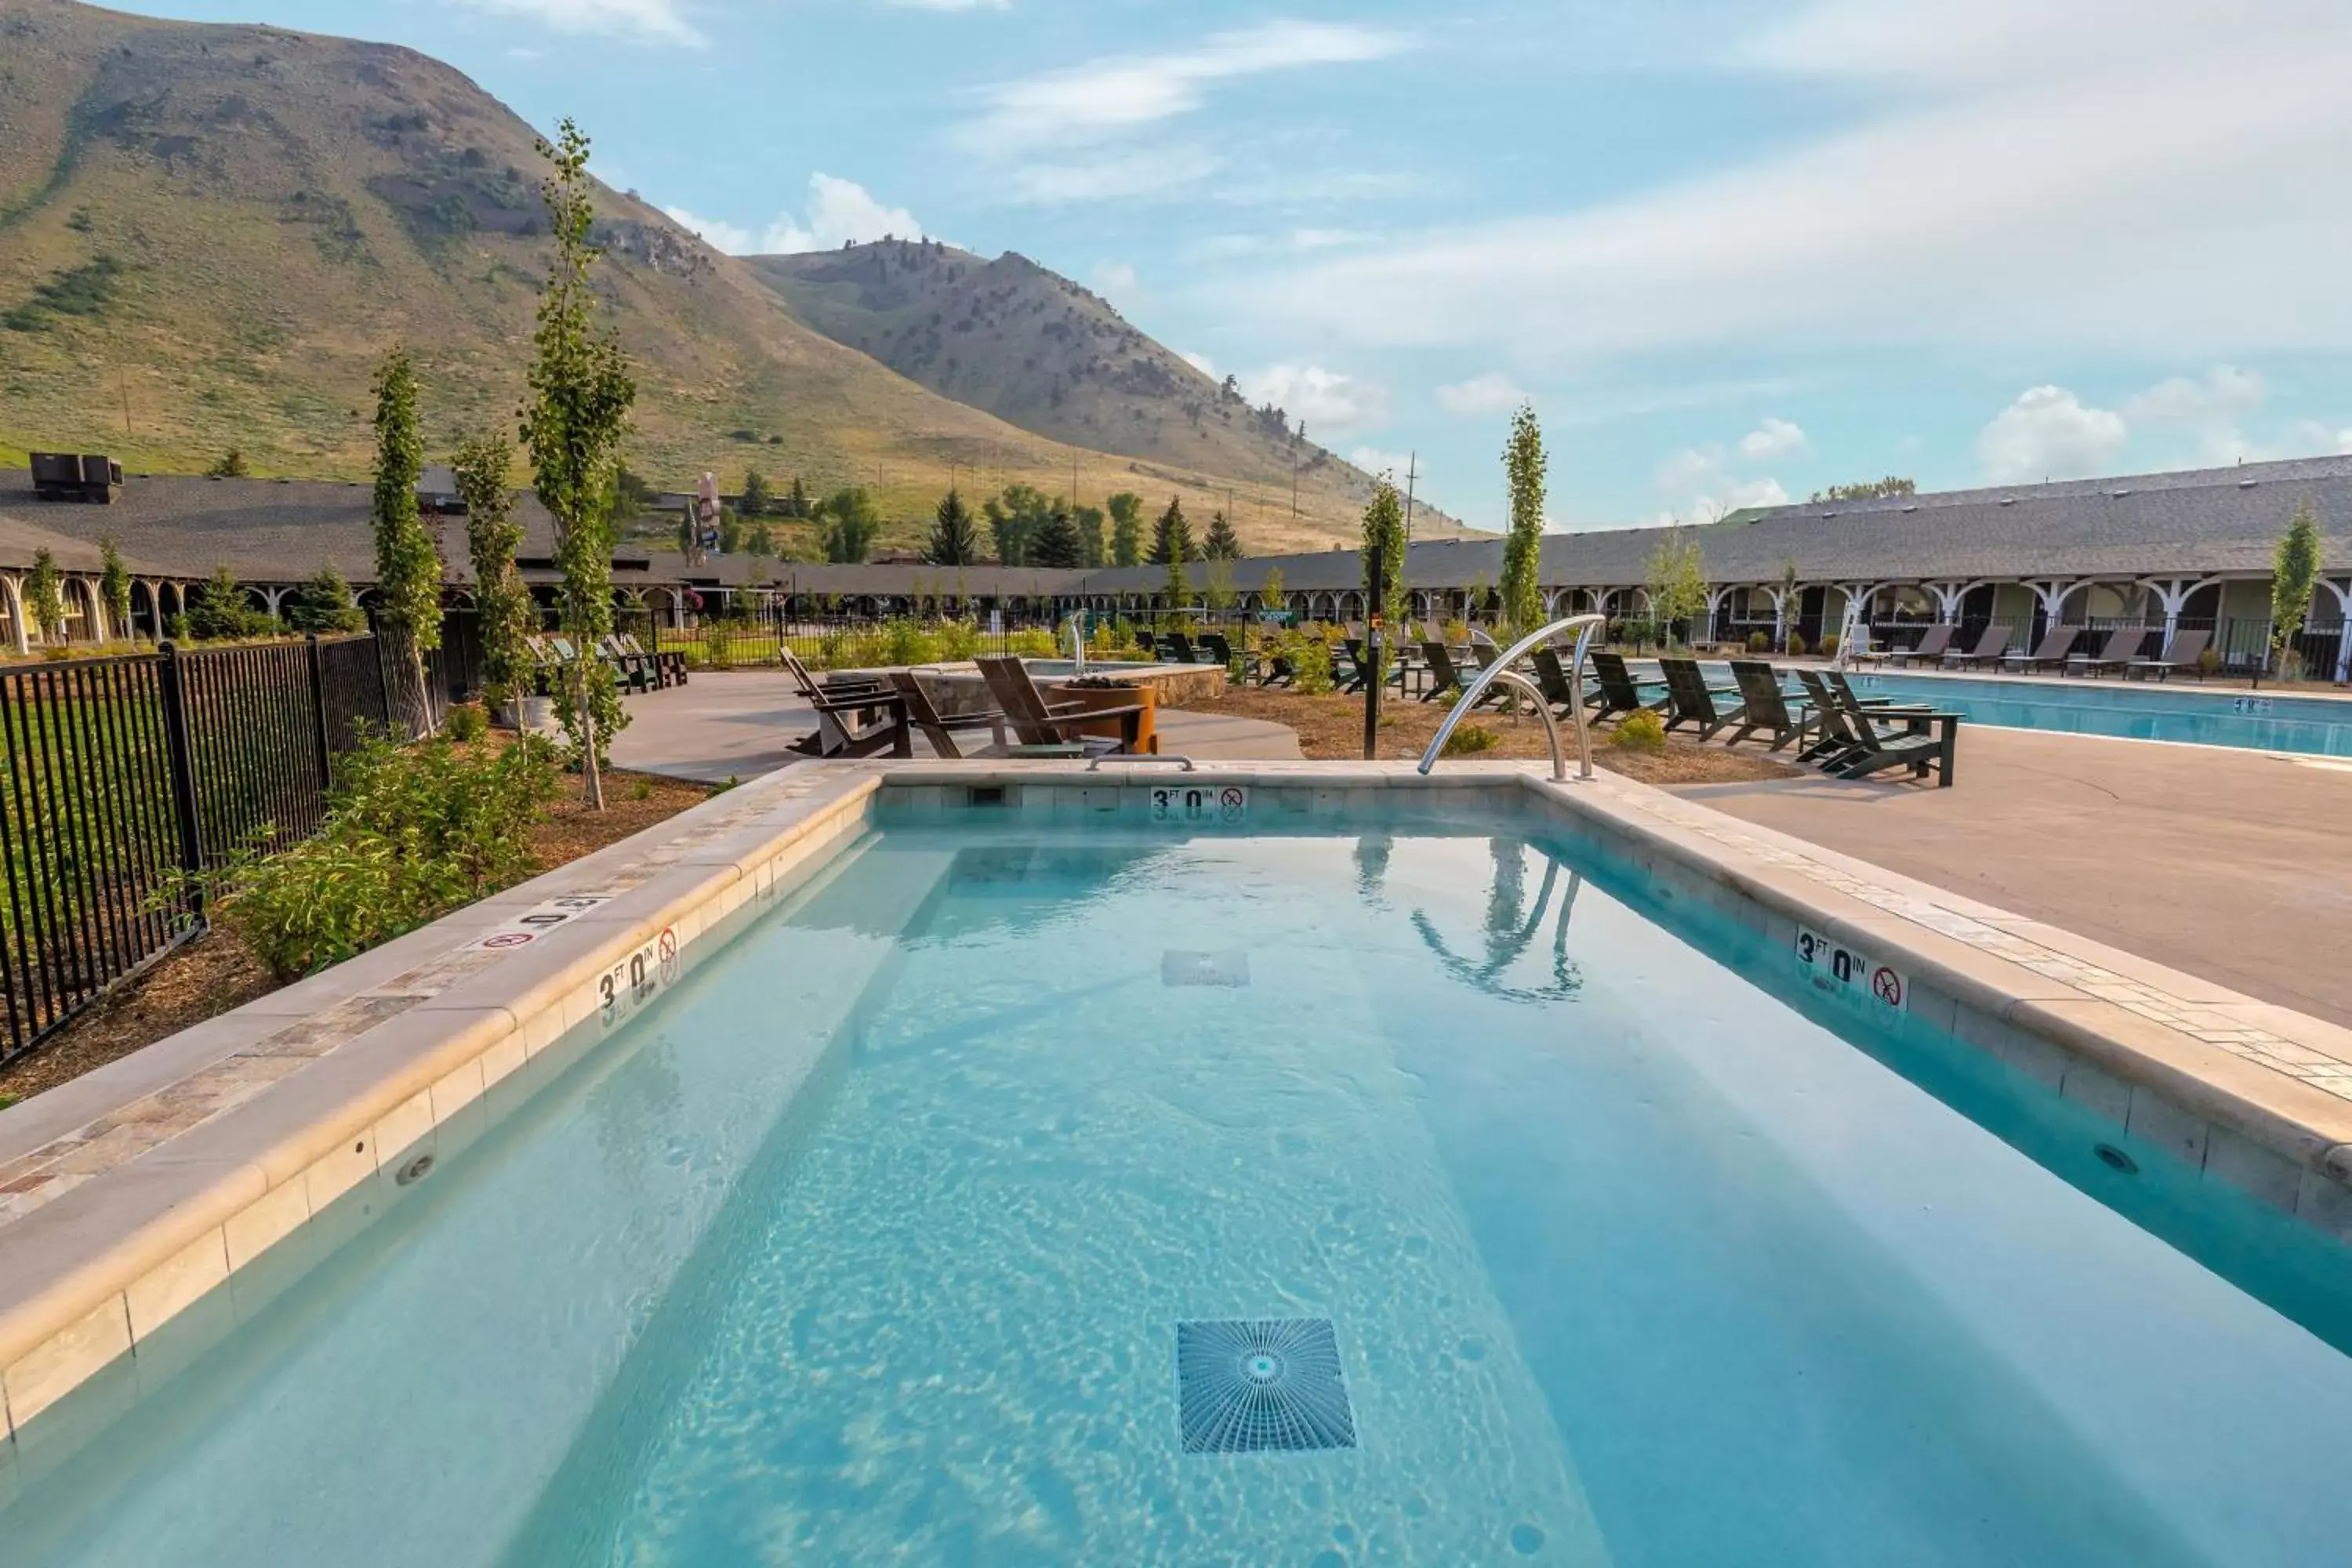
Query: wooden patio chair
{"points": [[1764, 708], [1037, 723], [941, 729], [1619, 693], [1691, 700]]}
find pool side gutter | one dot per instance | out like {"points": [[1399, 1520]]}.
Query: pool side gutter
{"points": [[133, 1194]]}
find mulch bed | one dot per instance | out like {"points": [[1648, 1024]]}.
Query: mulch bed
{"points": [[1331, 729], [216, 972]]}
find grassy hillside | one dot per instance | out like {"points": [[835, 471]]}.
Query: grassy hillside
{"points": [[210, 234]]}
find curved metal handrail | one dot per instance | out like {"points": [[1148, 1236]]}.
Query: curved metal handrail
{"points": [[1499, 668], [1075, 624]]}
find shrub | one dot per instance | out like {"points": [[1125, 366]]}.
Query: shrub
{"points": [[1310, 658], [1796, 645], [1470, 739], [642, 790], [411, 834], [1643, 731], [1759, 642], [1830, 645], [958, 640], [219, 610], [903, 642], [2209, 660], [1032, 643], [717, 644], [467, 725]]}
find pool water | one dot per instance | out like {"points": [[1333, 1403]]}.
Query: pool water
{"points": [[871, 1242], [2141, 710]]}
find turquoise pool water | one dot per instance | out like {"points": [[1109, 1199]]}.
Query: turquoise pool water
{"points": [[869, 1241], [2140, 710]]}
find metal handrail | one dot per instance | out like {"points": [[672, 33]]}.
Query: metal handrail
{"points": [[1074, 624], [1095, 767], [1499, 668]]}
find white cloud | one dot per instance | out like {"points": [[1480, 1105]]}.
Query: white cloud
{"points": [[1120, 93], [1116, 281], [1325, 400], [1375, 461], [840, 211], [1772, 439], [1493, 392], [2308, 436], [1201, 363], [2226, 393], [659, 21], [1148, 172], [2124, 175], [1701, 479], [2049, 433], [950, 5]]}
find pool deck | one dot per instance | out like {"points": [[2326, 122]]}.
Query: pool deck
{"points": [[136, 1201]]}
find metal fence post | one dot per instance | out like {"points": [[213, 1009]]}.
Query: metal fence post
{"points": [[318, 714], [172, 686]]}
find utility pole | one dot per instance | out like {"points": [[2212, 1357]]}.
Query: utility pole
{"points": [[124, 381]]}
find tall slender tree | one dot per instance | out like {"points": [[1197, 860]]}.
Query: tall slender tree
{"points": [[955, 537], [114, 587], [1125, 528], [581, 393], [503, 606], [1524, 464], [1090, 520], [1171, 546], [2294, 574], [1383, 542], [45, 596], [407, 563]]}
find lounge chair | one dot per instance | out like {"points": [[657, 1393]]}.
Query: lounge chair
{"points": [[1445, 679], [1220, 651], [1279, 670], [1353, 667], [1037, 723], [1932, 645], [670, 663], [1175, 647], [1764, 708], [1619, 693], [1988, 650], [1552, 680], [2187, 648], [941, 729], [2050, 653], [1690, 701], [1865, 740], [2122, 646]]}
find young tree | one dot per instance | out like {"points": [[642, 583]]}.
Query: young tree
{"points": [[760, 540], [324, 604], [756, 499], [796, 504], [1383, 542], [1677, 582], [114, 587], [1217, 592], [45, 596], [1055, 543], [955, 541], [2294, 574], [581, 392], [504, 606], [232, 466], [1014, 519], [1269, 592], [848, 522], [218, 609], [1125, 528], [730, 531], [1221, 544], [1524, 464], [407, 565], [1171, 546], [1790, 576]]}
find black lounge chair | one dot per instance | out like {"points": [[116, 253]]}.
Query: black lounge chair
{"points": [[1932, 647], [2187, 648], [2050, 653], [1619, 693], [1552, 680], [1219, 650], [1445, 679], [1764, 708], [941, 729], [1690, 701], [2123, 646], [1988, 650], [1279, 670], [1865, 740], [1352, 668], [1037, 723]]}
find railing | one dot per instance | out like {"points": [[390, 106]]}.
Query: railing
{"points": [[1499, 670], [117, 773]]}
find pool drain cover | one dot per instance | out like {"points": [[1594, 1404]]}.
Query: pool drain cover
{"points": [[1228, 969], [1261, 1384]]}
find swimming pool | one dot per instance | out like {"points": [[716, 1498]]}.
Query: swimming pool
{"points": [[1594, 1234], [2142, 710]]}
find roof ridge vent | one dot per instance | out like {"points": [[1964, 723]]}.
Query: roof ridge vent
{"points": [[2120, 492], [2248, 484], [2008, 500]]}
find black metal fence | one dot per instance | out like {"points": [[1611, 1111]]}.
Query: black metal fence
{"points": [[115, 773]]}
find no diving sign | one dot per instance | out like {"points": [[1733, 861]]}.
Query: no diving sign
{"points": [[528, 927], [1835, 967]]}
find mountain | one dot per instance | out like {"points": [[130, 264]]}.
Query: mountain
{"points": [[210, 234], [1051, 356]]}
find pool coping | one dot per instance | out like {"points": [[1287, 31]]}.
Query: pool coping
{"points": [[191, 1158]]}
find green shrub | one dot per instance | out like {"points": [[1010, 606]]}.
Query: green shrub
{"points": [[412, 833], [1032, 643], [958, 640], [1310, 658], [1796, 645], [717, 644], [1643, 731], [642, 790], [1469, 738], [1759, 642], [467, 725], [1830, 645], [905, 642]]}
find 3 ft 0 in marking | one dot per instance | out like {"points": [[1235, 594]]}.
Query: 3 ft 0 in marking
{"points": [[1835, 967], [1200, 803], [638, 977]]}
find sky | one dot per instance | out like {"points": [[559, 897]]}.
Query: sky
{"points": [[1731, 253]]}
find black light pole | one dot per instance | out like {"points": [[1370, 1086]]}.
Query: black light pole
{"points": [[1377, 676]]}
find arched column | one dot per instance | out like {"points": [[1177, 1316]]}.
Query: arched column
{"points": [[19, 634], [2171, 595]]}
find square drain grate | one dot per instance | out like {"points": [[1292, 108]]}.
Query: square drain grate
{"points": [[1227, 969], [1261, 1385]]}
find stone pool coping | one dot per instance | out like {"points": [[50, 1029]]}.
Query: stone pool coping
{"points": [[130, 1194]]}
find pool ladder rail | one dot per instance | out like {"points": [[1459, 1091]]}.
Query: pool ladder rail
{"points": [[1498, 669]]}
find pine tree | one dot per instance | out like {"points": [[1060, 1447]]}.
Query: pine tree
{"points": [[1055, 543], [1125, 528], [756, 498], [503, 608], [581, 393], [1171, 546], [796, 504], [324, 604], [955, 539], [407, 564], [1524, 466], [1221, 544]]}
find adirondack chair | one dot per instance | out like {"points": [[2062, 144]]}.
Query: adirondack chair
{"points": [[1034, 722], [1619, 693], [1690, 701], [1764, 708], [941, 730]]}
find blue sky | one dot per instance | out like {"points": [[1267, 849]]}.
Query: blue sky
{"points": [[1732, 252]]}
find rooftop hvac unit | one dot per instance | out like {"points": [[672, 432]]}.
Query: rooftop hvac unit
{"points": [[63, 475]]}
